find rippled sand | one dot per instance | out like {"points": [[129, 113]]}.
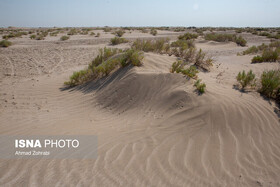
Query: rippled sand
{"points": [[152, 128]]}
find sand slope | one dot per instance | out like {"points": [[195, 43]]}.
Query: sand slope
{"points": [[153, 129]]}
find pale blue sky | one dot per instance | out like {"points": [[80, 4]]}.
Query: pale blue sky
{"points": [[78, 13]]}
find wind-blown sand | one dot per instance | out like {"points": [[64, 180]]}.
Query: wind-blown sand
{"points": [[152, 128]]}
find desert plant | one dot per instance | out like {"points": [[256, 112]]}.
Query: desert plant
{"points": [[176, 67], [63, 38], [72, 32], [268, 55], [118, 40], [257, 59], [144, 30], [133, 57], [103, 55], [92, 34], [226, 38], [33, 36], [240, 41], [119, 33], [246, 79], [270, 83], [183, 44], [40, 37], [107, 29], [153, 32], [97, 35], [202, 62], [104, 63], [251, 50], [5, 43], [188, 36], [190, 72], [200, 87], [158, 46]]}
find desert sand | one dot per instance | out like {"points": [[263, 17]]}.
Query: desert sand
{"points": [[152, 128]]}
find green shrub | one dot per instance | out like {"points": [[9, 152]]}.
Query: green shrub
{"points": [[202, 62], [117, 40], [107, 29], [240, 41], [72, 32], [97, 35], [226, 38], [183, 44], [275, 44], [92, 33], [153, 32], [188, 36], [200, 87], [40, 37], [14, 35], [63, 38], [144, 30], [133, 57], [268, 55], [55, 33], [78, 78], [119, 33], [257, 59], [270, 83], [158, 46], [190, 72], [33, 36], [176, 67], [5, 43], [251, 50], [104, 54], [246, 79], [104, 63]]}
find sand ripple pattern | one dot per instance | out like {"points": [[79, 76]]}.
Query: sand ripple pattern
{"points": [[153, 130]]}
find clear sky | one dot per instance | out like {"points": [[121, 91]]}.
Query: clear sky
{"points": [[86, 13]]}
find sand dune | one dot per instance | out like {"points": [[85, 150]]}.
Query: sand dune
{"points": [[152, 128]]}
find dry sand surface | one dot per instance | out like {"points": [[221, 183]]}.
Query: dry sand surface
{"points": [[152, 128]]}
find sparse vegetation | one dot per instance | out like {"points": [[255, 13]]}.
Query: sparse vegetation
{"points": [[158, 46], [270, 84], [63, 38], [5, 43], [188, 36], [153, 32], [246, 79], [107, 61], [40, 37], [107, 29], [190, 72], [184, 44], [119, 33], [14, 35], [268, 55], [178, 67], [118, 40], [72, 32], [226, 38], [97, 35], [33, 36], [200, 87], [202, 62]]}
